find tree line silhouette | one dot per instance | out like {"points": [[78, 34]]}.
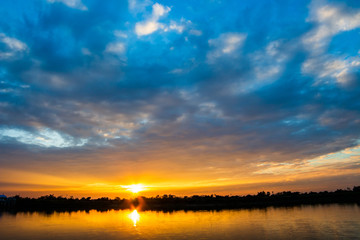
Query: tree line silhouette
{"points": [[195, 202]]}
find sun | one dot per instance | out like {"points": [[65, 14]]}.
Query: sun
{"points": [[135, 188]]}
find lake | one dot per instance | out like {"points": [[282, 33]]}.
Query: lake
{"points": [[301, 222]]}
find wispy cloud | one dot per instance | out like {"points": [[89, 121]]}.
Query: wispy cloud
{"points": [[43, 137], [71, 3], [12, 47], [226, 44]]}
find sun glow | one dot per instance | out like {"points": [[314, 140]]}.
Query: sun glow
{"points": [[135, 188]]}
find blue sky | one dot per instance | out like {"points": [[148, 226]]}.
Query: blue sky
{"points": [[228, 89]]}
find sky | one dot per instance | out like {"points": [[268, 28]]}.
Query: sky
{"points": [[183, 97]]}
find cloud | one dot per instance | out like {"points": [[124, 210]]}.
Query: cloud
{"points": [[268, 65], [335, 160], [136, 6], [181, 26], [120, 34], [174, 26], [151, 24], [115, 47], [146, 28], [327, 68], [77, 4], [330, 20], [11, 48], [195, 32], [43, 137], [159, 10], [225, 45]]}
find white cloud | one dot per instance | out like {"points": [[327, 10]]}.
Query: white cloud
{"points": [[13, 47], [226, 44], [146, 28], [181, 26], [136, 6], [232, 43], [174, 26], [13, 43], [268, 64], [115, 47], [328, 69], [151, 24], [44, 137], [159, 10], [77, 4], [330, 20]]}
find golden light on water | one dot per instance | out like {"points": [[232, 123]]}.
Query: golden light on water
{"points": [[305, 222], [134, 216]]}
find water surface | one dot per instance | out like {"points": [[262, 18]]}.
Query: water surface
{"points": [[302, 222]]}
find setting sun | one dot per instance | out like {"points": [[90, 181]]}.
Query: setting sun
{"points": [[135, 188]]}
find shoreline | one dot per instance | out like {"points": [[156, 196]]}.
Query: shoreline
{"points": [[171, 202]]}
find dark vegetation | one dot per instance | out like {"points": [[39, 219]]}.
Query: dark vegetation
{"points": [[171, 202]]}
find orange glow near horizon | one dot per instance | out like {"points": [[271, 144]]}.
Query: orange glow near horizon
{"points": [[315, 174], [135, 188]]}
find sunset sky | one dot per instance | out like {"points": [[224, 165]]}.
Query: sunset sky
{"points": [[183, 97]]}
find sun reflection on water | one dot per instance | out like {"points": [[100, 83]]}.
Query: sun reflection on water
{"points": [[303, 222], [134, 216]]}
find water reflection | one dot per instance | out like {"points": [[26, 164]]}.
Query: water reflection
{"points": [[302, 222], [134, 216]]}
